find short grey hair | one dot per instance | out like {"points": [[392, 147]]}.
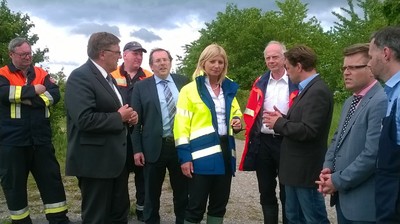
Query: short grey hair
{"points": [[16, 42]]}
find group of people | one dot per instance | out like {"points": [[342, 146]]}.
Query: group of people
{"points": [[123, 119], [287, 123]]}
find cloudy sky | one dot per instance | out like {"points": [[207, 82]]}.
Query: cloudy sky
{"points": [[65, 26]]}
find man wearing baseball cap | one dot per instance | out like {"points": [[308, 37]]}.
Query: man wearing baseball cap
{"points": [[126, 75]]}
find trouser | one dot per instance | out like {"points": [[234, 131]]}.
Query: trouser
{"points": [[139, 176], [267, 165], [214, 188], [105, 200], [15, 165], [139, 185], [154, 174], [305, 205]]}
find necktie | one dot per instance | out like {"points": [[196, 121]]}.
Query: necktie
{"points": [[169, 99], [110, 82], [293, 96], [353, 106]]}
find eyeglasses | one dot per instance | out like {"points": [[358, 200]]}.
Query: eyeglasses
{"points": [[115, 52], [23, 55], [352, 67]]}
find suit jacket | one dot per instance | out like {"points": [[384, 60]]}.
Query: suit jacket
{"points": [[147, 134], [355, 160], [96, 134], [305, 131]]}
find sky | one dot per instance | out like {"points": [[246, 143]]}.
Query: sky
{"points": [[65, 26]]}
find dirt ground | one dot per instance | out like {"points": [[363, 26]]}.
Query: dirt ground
{"points": [[243, 206]]}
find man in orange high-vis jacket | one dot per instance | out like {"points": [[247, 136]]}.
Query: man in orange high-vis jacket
{"points": [[126, 76], [262, 146], [26, 93]]}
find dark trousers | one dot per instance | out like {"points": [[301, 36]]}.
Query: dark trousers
{"points": [[154, 174], [139, 176], [15, 165], [267, 166], [139, 185], [214, 188], [105, 201]]}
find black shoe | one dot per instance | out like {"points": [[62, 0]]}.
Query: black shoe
{"points": [[139, 215]]}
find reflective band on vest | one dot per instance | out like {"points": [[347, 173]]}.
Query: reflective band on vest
{"points": [[202, 132], [184, 113], [181, 141], [206, 152]]}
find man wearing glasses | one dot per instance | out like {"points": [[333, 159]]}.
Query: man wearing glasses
{"points": [[26, 93], [348, 173], [97, 122]]}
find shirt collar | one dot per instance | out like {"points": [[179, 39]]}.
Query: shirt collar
{"points": [[283, 78], [101, 69], [158, 79], [393, 80], [366, 89], [305, 82]]}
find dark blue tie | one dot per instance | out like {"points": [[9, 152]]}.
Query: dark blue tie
{"points": [[353, 106]]}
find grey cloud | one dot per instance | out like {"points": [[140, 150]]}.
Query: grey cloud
{"points": [[89, 28], [146, 35], [146, 13]]}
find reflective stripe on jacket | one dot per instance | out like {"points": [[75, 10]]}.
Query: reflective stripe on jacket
{"points": [[25, 115], [254, 106], [196, 129]]}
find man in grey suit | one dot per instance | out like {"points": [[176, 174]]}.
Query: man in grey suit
{"points": [[349, 167], [154, 146], [97, 122]]}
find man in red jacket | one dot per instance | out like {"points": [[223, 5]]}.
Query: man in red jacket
{"points": [[262, 146]]}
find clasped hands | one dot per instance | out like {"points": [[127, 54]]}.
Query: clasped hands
{"points": [[128, 115], [325, 184]]}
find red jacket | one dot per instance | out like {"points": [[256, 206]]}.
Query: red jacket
{"points": [[253, 119]]}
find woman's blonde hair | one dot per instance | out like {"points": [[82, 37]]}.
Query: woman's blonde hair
{"points": [[211, 51]]}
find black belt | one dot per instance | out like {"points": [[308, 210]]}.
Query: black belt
{"points": [[272, 135], [168, 139]]}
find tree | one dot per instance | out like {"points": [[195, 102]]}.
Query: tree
{"points": [[244, 34], [391, 9], [16, 25]]}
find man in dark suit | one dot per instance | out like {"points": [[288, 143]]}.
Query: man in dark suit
{"points": [[305, 130], [154, 146], [349, 167], [97, 127]]}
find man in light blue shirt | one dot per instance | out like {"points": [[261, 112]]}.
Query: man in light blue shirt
{"points": [[384, 61]]}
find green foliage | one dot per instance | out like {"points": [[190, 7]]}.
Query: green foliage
{"points": [[16, 25], [58, 120], [245, 32], [391, 9]]}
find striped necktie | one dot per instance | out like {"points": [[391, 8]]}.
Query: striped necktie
{"points": [[169, 99]]}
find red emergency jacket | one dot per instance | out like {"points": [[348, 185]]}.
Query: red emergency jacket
{"points": [[24, 119], [253, 120]]}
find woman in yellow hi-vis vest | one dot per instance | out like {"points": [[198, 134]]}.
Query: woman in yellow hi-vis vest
{"points": [[207, 116]]}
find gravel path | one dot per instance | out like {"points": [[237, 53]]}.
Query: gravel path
{"points": [[243, 206]]}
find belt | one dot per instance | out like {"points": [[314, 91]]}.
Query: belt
{"points": [[168, 139], [272, 135]]}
